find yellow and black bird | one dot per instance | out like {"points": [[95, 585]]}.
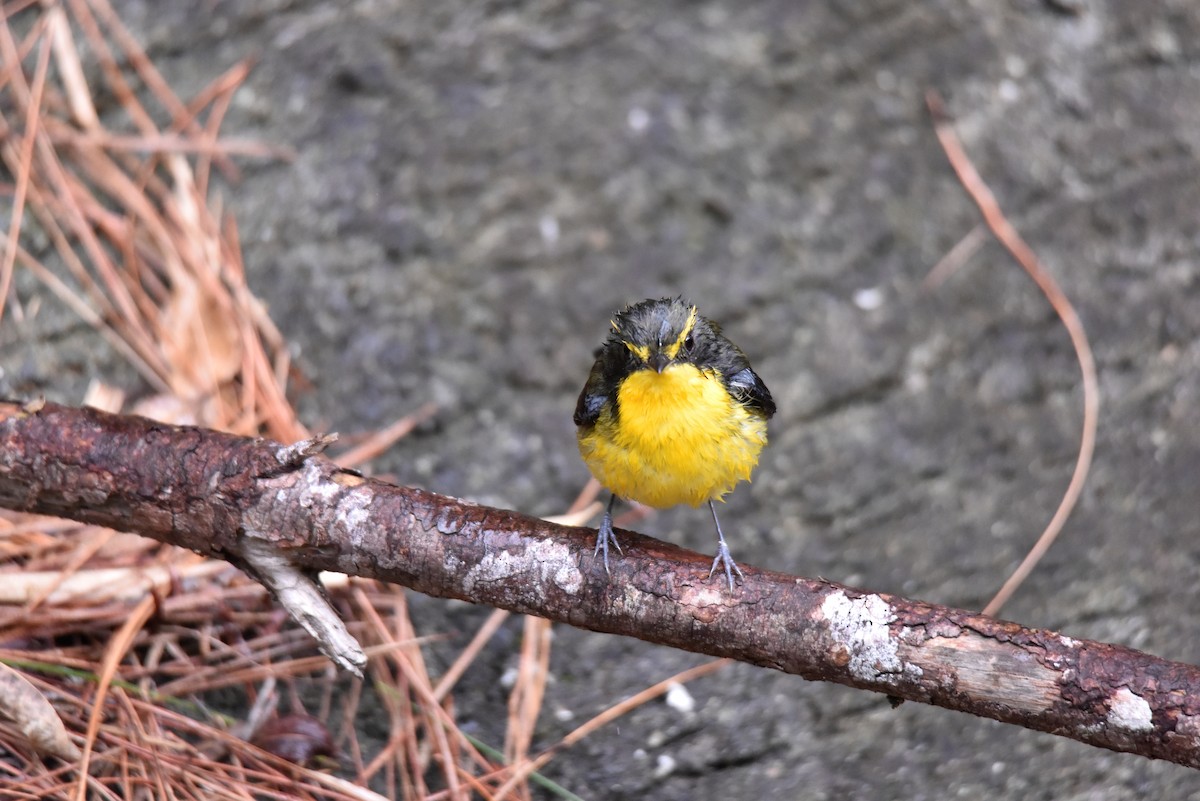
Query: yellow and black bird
{"points": [[671, 413]]}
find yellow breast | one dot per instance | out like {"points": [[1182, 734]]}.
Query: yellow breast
{"points": [[680, 438]]}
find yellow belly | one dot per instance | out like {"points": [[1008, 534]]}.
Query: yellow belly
{"points": [[681, 439]]}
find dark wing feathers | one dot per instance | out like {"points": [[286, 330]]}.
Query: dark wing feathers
{"points": [[598, 391], [587, 408], [751, 392]]}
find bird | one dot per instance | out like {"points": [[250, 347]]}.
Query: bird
{"points": [[671, 413]]}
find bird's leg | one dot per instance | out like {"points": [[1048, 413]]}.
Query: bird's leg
{"points": [[606, 534], [723, 557]]}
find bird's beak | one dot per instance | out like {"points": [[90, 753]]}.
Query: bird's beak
{"points": [[659, 361]]}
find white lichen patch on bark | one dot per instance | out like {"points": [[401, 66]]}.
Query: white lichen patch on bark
{"points": [[1129, 711], [1188, 726], [712, 593], [309, 487], [352, 511], [325, 490], [860, 625], [554, 562]]}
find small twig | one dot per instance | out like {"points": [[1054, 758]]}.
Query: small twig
{"points": [[294, 455], [304, 600], [1012, 241]]}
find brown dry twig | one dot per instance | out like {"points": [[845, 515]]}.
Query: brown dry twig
{"points": [[214, 493], [1012, 241]]}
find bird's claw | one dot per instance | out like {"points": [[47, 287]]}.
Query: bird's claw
{"points": [[731, 567], [604, 536]]}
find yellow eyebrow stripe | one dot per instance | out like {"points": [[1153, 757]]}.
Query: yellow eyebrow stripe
{"points": [[641, 351], [672, 350]]}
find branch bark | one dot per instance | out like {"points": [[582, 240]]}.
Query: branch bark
{"points": [[235, 498]]}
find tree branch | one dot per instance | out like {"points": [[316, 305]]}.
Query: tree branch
{"points": [[235, 498]]}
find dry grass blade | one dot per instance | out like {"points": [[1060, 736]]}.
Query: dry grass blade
{"points": [[1012, 241], [117, 647]]}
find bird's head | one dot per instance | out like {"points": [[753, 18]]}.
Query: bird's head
{"points": [[659, 333]]}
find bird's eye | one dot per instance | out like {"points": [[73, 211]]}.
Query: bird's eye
{"points": [[689, 342]]}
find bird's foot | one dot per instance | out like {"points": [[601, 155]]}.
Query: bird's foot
{"points": [[723, 558], [604, 536]]}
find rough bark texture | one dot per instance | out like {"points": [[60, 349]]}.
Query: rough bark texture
{"points": [[214, 493]]}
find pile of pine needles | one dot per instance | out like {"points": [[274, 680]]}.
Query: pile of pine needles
{"points": [[112, 646]]}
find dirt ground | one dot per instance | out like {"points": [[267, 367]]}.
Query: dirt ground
{"points": [[479, 185]]}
